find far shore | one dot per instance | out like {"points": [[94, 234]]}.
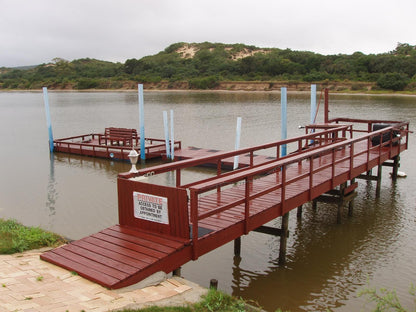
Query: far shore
{"points": [[344, 92]]}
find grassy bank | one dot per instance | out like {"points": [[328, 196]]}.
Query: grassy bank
{"points": [[214, 301], [15, 237]]}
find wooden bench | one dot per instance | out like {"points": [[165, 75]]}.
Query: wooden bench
{"points": [[119, 136]]}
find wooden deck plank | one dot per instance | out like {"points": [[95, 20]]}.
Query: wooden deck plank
{"points": [[132, 262], [84, 271], [154, 254], [104, 269], [139, 241], [119, 249], [93, 255]]}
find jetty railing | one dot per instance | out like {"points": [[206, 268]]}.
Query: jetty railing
{"points": [[87, 145], [299, 144], [346, 152]]}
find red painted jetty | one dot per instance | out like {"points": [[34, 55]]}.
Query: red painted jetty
{"points": [[163, 227], [114, 143]]}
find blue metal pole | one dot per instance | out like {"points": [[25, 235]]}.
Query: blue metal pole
{"points": [[172, 140], [237, 141], [313, 103], [141, 123], [166, 128], [284, 119], [48, 117]]}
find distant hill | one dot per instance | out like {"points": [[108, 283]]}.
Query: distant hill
{"points": [[216, 65]]}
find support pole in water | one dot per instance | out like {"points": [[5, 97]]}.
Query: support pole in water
{"points": [[141, 123], [48, 117], [237, 141], [284, 119], [166, 128], [172, 140], [313, 103], [326, 113]]}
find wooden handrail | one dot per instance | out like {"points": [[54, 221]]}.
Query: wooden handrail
{"points": [[248, 174], [214, 157]]}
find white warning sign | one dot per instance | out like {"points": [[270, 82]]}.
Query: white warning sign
{"points": [[150, 207]]}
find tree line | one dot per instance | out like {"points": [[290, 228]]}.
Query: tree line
{"points": [[204, 65]]}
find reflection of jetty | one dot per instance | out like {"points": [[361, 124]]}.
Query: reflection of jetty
{"points": [[114, 143], [163, 227]]}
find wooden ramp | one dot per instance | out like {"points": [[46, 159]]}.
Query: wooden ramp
{"points": [[120, 256], [163, 227]]}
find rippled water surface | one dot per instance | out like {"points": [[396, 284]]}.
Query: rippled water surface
{"points": [[327, 264]]}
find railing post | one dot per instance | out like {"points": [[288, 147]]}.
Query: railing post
{"points": [[326, 116], [194, 220], [333, 169], [178, 177], [351, 159], [310, 177], [247, 205]]}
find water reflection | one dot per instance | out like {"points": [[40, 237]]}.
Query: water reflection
{"points": [[330, 261], [51, 191]]}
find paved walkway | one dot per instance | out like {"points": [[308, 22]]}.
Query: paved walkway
{"points": [[30, 284]]}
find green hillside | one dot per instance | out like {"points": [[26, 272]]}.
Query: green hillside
{"points": [[206, 65]]}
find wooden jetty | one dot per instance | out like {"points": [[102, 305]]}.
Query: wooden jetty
{"points": [[114, 143], [163, 227]]}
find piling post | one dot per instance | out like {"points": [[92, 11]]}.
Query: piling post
{"points": [[177, 272], [340, 203], [396, 165], [166, 128], [326, 113], [237, 141], [283, 238], [213, 284], [284, 119], [299, 212], [141, 122], [314, 204], [378, 186], [172, 140], [313, 103], [48, 117], [237, 246], [351, 202]]}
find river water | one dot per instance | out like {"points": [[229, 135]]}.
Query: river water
{"points": [[327, 263]]}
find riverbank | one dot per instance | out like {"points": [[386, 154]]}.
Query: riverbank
{"points": [[359, 88]]}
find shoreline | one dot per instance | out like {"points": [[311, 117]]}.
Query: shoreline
{"points": [[358, 93]]}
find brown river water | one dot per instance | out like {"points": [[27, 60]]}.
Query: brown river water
{"points": [[327, 263]]}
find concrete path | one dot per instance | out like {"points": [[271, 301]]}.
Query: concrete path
{"points": [[30, 284]]}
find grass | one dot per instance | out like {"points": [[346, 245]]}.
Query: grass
{"points": [[15, 237], [213, 301]]}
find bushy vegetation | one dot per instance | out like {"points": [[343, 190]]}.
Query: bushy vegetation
{"points": [[204, 65], [14, 237]]}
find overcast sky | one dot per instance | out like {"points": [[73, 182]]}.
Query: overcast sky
{"points": [[36, 31]]}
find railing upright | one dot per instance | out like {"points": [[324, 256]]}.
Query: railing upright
{"points": [[178, 177], [333, 168], [283, 189], [194, 220], [247, 204], [310, 176]]}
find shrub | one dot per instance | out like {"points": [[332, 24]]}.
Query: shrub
{"points": [[393, 81], [204, 83], [87, 83]]}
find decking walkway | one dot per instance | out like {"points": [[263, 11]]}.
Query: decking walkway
{"points": [[190, 220]]}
